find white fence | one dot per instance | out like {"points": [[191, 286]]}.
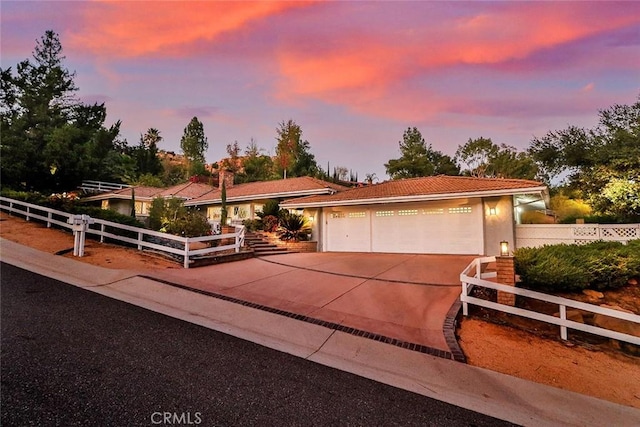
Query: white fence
{"points": [[473, 276], [140, 237], [533, 235], [101, 187]]}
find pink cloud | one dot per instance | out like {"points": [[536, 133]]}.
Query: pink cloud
{"points": [[123, 29], [364, 72]]}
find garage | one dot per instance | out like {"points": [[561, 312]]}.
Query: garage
{"points": [[453, 227], [456, 215]]}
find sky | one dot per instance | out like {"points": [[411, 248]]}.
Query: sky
{"points": [[353, 74]]}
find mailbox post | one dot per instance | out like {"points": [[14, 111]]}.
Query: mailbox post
{"points": [[79, 225]]}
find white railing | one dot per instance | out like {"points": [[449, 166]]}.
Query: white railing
{"points": [[534, 235], [473, 276], [101, 187], [176, 245]]}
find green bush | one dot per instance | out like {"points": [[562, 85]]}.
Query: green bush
{"points": [[171, 216], [26, 196], [270, 208], [107, 215], [252, 224], [558, 268]]}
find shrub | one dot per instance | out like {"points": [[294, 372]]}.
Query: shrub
{"points": [[252, 224], [294, 227], [26, 196], [270, 208], [270, 223], [598, 265], [107, 215], [171, 216]]}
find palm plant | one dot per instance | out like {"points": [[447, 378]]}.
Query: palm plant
{"points": [[294, 227]]}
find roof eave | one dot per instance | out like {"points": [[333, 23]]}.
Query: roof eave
{"points": [[418, 198], [250, 197]]}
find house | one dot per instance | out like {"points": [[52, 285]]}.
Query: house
{"points": [[437, 215], [244, 200], [120, 200]]}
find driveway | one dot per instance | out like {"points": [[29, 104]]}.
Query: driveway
{"points": [[401, 296]]}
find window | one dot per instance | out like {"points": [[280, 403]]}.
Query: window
{"points": [[460, 210], [434, 211], [337, 214], [384, 213], [142, 208], [408, 212], [357, 214]]}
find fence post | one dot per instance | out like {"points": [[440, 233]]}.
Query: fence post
{"points": [[465, 305], [563, 316], [101, 233], [49, 217], [139, 240], [186, 253], [27, 218]]}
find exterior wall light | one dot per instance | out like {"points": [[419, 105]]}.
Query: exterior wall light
{"points": [[493, 211], [504, 248], [312, 218]]}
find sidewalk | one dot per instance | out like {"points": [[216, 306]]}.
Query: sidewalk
{"points": [[484, 391]]}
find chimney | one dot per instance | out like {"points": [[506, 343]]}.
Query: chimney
{"points": [[225, 176]]}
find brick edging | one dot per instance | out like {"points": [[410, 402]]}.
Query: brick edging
{"points": [[449, 331]]}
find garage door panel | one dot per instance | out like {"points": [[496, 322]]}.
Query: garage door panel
{"points": [[348, 231], [435, 227]]}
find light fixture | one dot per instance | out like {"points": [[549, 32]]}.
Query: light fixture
{"points": [[504, 248], [493, 211], [311, 218]]}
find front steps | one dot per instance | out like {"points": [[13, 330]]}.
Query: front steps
{"points": [[261, 245]]}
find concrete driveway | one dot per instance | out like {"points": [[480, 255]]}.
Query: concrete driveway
{"points": [[401, 296]]}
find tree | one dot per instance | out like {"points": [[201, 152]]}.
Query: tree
{"points": [[233, 162], [257, 166], [146, 153], [603, 163], [51, 141], [293, 155], [194, 144], [482, 158], [419, 159]]}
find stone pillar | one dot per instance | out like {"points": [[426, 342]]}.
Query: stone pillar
{"points": [[506, 275]]}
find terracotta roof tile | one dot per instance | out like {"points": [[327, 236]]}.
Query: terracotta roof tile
{"points": [[189, 190], [424, 186], [278, 188]]}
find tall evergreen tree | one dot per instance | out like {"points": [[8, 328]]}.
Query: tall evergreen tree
{"points": [[194, 144], [51, 141], [419, 159]]}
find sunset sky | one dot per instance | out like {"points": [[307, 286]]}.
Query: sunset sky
{"points": [[353, 75]]}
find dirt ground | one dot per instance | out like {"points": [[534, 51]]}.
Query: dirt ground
{"points": [[591, 370]]}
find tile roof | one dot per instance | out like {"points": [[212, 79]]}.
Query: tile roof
{"points": [[142, 192], [189, 190], [290, 187], [424, 188]]}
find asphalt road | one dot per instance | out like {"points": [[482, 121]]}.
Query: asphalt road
{"points": [[72, 357]]}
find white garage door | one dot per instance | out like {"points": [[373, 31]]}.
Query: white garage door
{"points": [[436, 228]]}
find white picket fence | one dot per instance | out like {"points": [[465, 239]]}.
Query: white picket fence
{"points": [[101, 186], [181, 246], [473, 275], [534, 235]]}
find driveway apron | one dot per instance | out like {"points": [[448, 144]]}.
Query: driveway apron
{"points": [[401, 296]]}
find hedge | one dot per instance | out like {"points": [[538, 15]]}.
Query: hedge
{"points": [[558, 268]]}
